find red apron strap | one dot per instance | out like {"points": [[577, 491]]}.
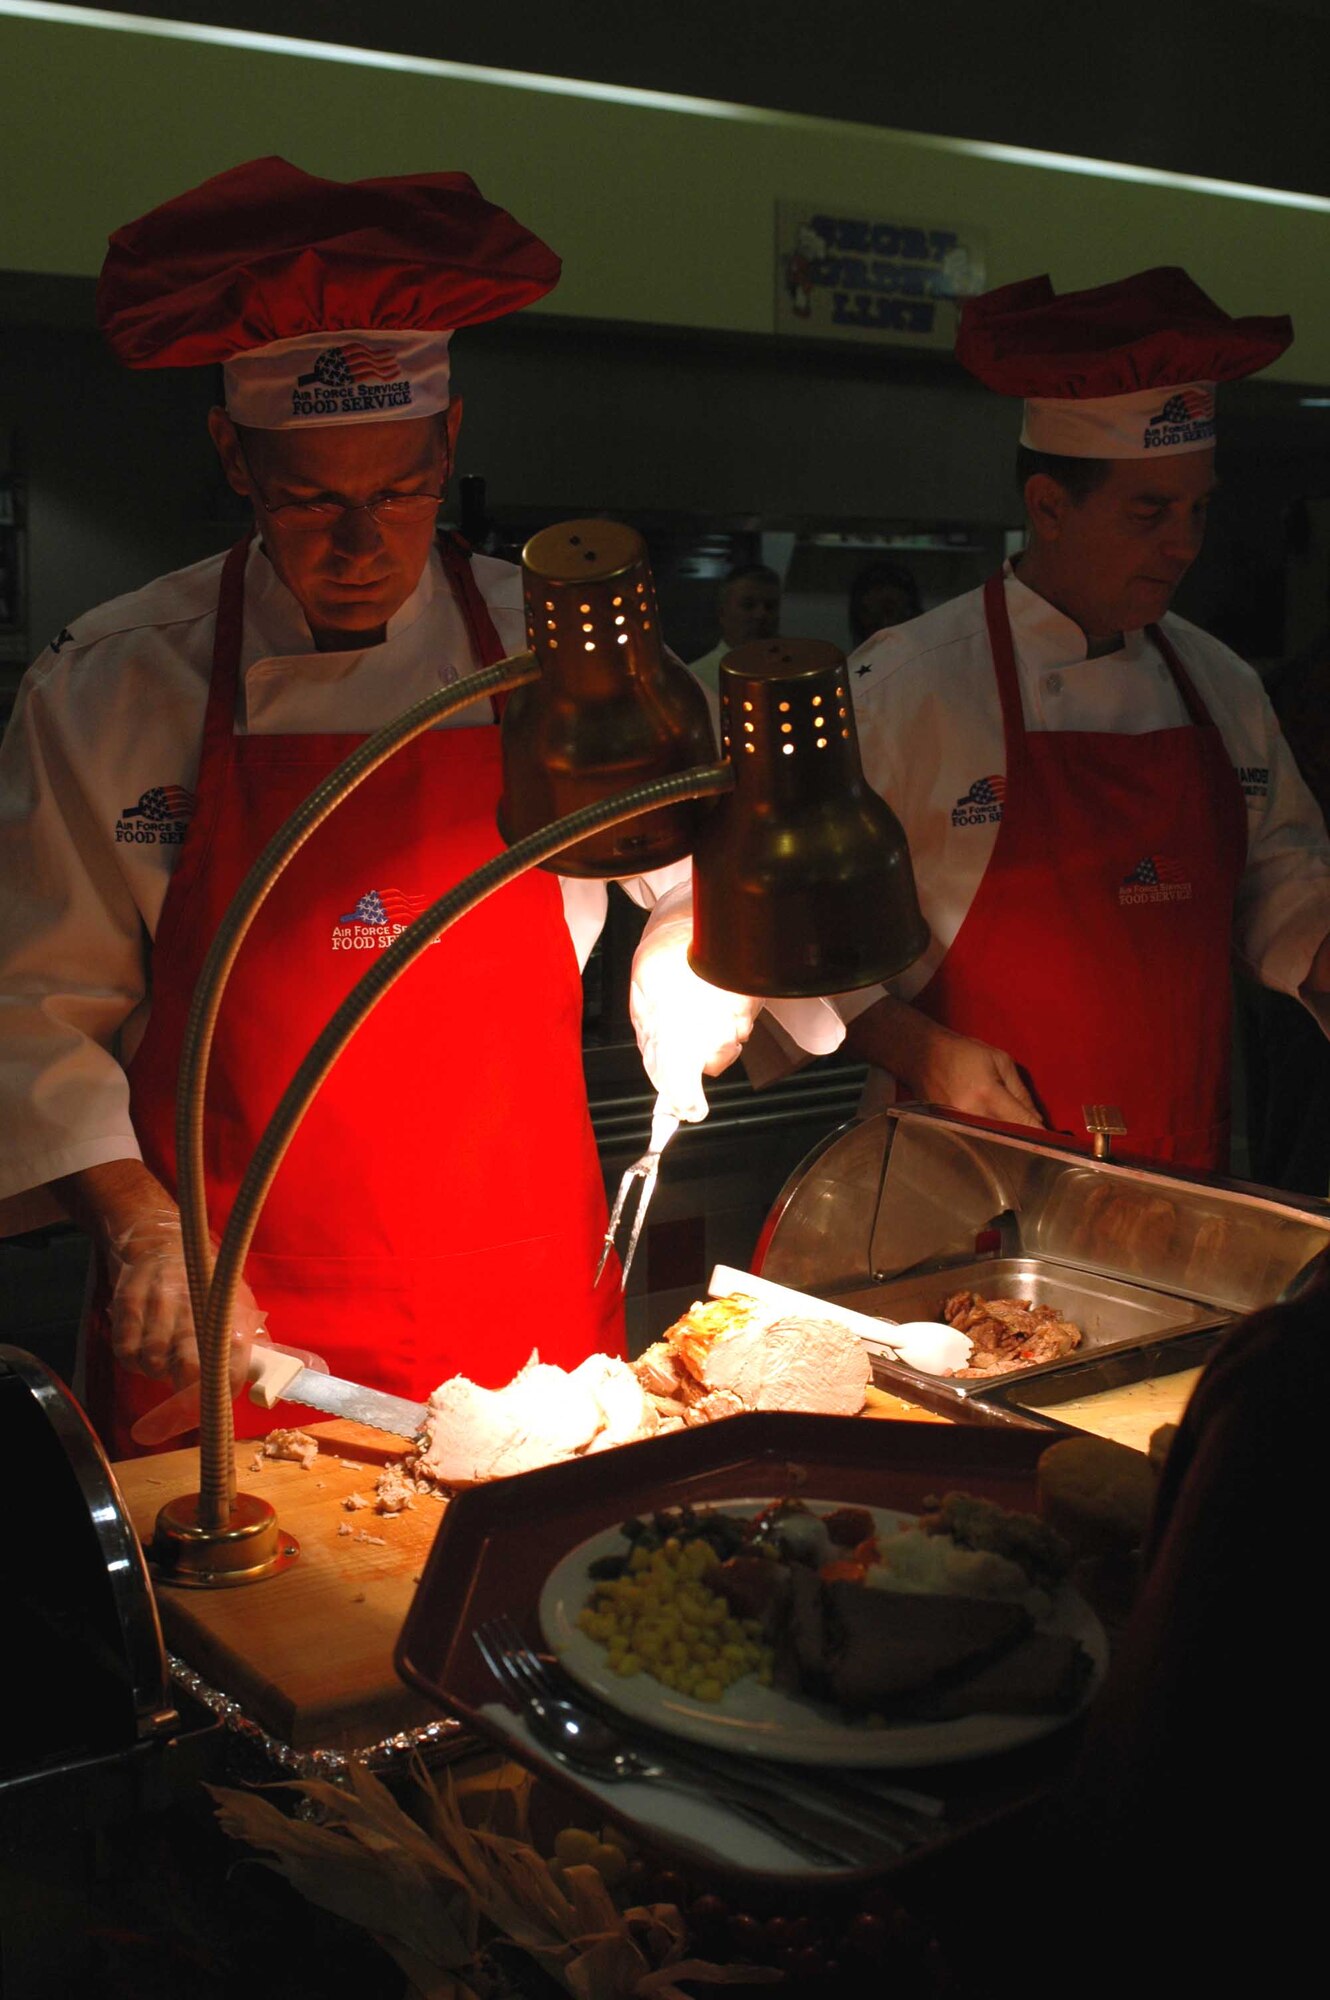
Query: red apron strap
{"points": [[455, 556], [1004, 664], [217, 748], [1191, 700], [219, 721]]}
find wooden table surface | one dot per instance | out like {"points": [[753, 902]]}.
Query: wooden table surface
{"points": [[308, 1652]]}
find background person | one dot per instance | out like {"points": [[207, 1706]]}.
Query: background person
{"points": [[747, 607], [882, 593], [1099, 803]]}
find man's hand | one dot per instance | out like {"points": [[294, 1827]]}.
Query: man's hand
{"points": [[939, 1067], [971, 1076], [152, 1323], [124, 1208]]}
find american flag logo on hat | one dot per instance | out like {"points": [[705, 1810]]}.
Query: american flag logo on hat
{"points": [[162, 802], [1154, 871], [340, 367], [384, 906], [1193, 405]]}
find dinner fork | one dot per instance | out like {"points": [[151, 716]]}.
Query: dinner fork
{"points": [[664, 1125], [587, 1743]]}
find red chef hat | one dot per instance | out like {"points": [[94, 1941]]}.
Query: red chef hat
{"points": [[326, 301], [1126, 370]]}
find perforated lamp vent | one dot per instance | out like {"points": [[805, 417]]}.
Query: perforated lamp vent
{"points": [[610, 709], [802, 877]]}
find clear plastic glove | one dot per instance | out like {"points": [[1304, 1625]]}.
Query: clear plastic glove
{"points": [[180, 1413], [686, 1029], [152, 1323]]}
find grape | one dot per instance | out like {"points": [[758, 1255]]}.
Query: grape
{"points": [[708, 1913], [867, 1936], [746, 1937], [670, 1887]]}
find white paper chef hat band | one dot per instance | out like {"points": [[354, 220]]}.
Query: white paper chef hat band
{"points": [[351, 376], [1147, 423]]}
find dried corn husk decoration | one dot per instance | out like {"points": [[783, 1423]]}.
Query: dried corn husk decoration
{"points": [[434, 1895]]}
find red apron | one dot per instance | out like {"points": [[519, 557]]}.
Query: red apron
{"points": [[441, 1208], [1096, 951]]}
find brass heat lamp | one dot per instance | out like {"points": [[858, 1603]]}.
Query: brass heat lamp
{"points": [[610, 710], [802, 883]]}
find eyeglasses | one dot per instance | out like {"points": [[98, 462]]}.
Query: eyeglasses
{"points": [[306, 515], [387, 510]]}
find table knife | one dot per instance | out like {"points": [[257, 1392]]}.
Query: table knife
{"points": [[276, 1377]]}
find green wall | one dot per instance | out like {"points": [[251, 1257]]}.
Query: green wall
{"points": [[662, 215]]}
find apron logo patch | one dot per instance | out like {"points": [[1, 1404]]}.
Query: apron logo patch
{"points": [[380, 916], [982, 804], [347, 380], [1255, 780], [160, 818], [1187, 418], [1155, 879]]}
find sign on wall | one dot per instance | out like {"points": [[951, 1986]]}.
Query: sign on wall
{"points": [[844, 275]]}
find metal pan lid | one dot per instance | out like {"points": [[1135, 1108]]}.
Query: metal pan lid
{"points": [[31, 1396]]}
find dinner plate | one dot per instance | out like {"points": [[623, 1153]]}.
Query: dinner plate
{"points": [[767, 1722]]}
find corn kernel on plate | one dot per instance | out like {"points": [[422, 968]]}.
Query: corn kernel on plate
{"points": [[661, 1648]]}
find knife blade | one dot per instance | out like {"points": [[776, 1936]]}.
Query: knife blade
{"points": [[932, 1347], [276, 1377]]}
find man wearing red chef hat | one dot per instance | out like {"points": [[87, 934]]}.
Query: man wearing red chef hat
{"points": [[417, 1225], [1099, 802]]}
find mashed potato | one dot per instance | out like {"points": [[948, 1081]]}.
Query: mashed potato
{"points": [[932, 1565]]}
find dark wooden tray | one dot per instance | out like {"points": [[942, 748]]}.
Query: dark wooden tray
{"points": [[498, 1542]]}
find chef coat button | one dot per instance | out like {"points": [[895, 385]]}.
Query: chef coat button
{"points": [[1054, 684]]}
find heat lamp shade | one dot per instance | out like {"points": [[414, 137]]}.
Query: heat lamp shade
{"points": [[802, 882], [611, 709]]}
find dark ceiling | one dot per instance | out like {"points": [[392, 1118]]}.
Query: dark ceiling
{"points": [[1235, 89]]}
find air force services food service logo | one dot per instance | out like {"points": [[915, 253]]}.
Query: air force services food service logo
{"points": [[982, 804], [348, 380], [1186, 418], [1155, 879], [160, 819], [380, 916]]}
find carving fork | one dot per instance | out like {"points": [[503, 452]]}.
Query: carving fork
{"points": [[664, 1125]]}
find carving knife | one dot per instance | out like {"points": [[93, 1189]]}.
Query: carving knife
{"points": [[275, 1377]]}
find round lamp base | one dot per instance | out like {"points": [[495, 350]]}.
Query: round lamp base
{"points": [[250, 1546]]}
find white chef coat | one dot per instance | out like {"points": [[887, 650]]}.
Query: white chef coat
{"points": [[707, 669], [706, 672], [930, 729], [113, 709]]}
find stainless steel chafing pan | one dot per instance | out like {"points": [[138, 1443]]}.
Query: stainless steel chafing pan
{"points": [[892, 1214], [1125, 1395], [1110, 1312]]}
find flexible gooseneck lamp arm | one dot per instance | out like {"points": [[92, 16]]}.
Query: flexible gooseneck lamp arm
{"points": [[217, 1465], [203, 1539], [802, 886]]}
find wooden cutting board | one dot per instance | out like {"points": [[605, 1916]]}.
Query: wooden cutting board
{"points": [[308, 1652]]}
